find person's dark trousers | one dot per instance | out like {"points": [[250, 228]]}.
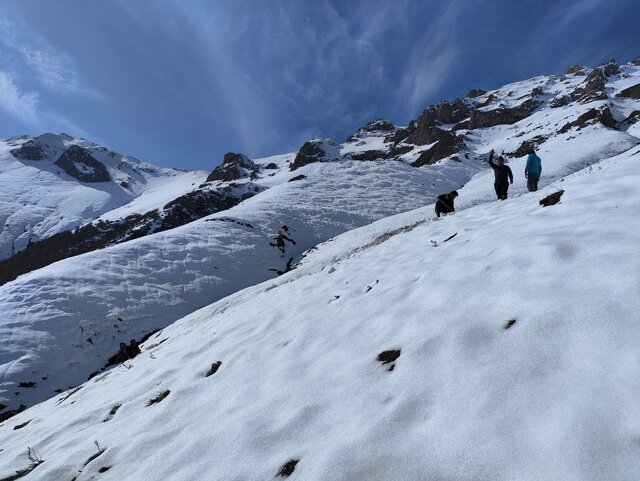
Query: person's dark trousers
{"points": [[501, 190], [532, 182]]}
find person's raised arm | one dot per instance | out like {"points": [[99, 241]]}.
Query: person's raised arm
{"points": [[491, 159]]}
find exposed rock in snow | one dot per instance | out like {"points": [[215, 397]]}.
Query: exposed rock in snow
{"points": [[316, 150], [78, 163], [234, 167], [576, 70], [632, 92]]}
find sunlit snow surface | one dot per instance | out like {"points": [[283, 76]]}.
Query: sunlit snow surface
{"points": [[552, 397]]}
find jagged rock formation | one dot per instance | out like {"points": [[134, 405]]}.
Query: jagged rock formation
{"points": [[447, 144], [575, 70], [375, 126], [603, 116], [316, 150], [502, 115], [426, 128], [79, 163], [234, 167]]}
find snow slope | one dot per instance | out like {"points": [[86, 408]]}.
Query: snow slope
{"points": [[39, 199], [62, 322], [518, 358], [68, 318]]}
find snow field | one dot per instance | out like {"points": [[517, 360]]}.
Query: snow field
{"points": [[551, 397]]}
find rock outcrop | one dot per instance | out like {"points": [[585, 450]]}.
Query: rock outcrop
{"points": [[316, 150], [603, 116], [374, 127], [233, 167], [527, 146], [426, 128], [575, 70], [448, 144], [30, 150], [502, 115], [592, 88], [632, 92], [473, 93], [79, 163]]}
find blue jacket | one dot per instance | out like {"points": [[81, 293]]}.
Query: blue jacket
{"points": [[534, 165]]}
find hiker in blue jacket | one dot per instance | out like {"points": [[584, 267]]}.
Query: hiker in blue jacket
{"points": [[532, 171]]}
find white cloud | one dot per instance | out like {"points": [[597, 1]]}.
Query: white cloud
{"points": [[22, 106], [54, 69], [431, 60]]}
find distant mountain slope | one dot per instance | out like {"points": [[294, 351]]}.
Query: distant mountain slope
{"points": [[470, 347], [53, 182], [85, 306]]}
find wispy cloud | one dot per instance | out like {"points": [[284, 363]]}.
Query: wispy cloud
{"points": [[20, 105], [55, 70]]}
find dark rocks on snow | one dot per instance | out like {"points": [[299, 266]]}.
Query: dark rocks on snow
{"points": [[280, 240], [575, 70], [387, 357], [11, 412], [551, 199], [297, 177], [79, 163], [316, 150], [560, 101], [636, 62], [271, 166], [287, 468], [509, 323], [527, 146], [158, 398], [20, 426], [213, 369], [234, 166], [631, 119], [401, 134], [125, 352], [376, 126], [610, 68], [28, 384], [592, 88], [369, 155], [603, 116], [632, 92], [448, 144], [30, 150], [502, 115], [426, 129], [397, 150], [473, 93]]}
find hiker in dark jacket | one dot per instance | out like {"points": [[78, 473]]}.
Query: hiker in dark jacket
{"points": [[503, 174], [444, 205], [532, 171]]}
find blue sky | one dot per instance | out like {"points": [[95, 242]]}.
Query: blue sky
{"points": [[181, 82]]}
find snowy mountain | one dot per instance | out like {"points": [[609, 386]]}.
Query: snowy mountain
{"points": [[470, 347], [53, 183], [299, 351]]}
